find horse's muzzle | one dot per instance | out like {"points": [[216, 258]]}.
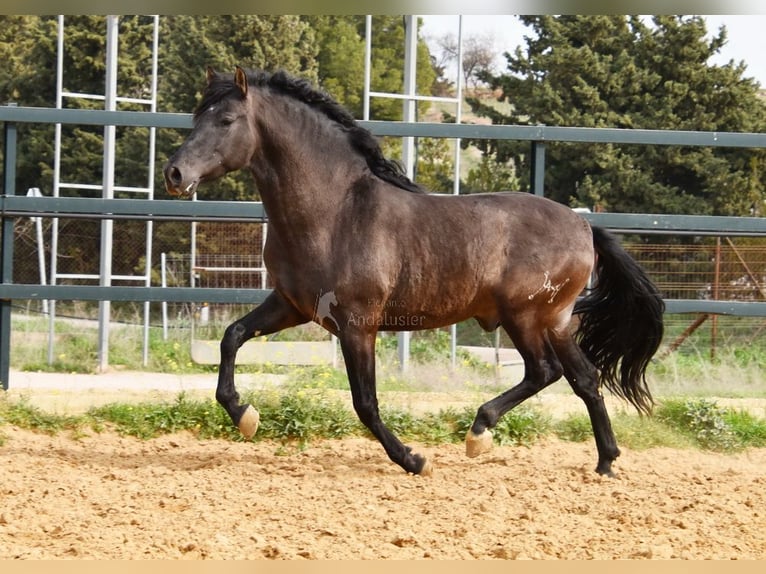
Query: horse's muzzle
{"points": [[175, 184]]}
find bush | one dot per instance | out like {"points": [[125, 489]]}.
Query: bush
{"points": [[302, 415]]}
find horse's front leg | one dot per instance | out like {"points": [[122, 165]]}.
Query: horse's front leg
{"points": [[359, 353], [273, 315]]}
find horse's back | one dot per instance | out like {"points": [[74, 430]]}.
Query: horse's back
{"points": [[520, 221]]}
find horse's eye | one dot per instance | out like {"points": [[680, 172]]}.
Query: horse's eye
{"points": [[227, 120]]}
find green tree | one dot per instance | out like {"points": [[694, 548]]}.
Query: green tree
{"points": [[340, 59], [341, 62], [490, 175], [617, 71], [387, 69], [435, 164], [28, 78]]}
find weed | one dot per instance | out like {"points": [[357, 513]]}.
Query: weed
{"points": [[24, 415], [642, 432], [574, 428], [298, 416], [697, 375], [148, 420], [521, 426], [318, 377], [748, 429], [303, 415], [701, 419]]}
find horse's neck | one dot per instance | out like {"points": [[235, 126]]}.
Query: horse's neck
{"points": [[303, 170]]}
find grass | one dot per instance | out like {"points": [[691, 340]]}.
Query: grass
{"points": [[298, 416], [733, 373]]}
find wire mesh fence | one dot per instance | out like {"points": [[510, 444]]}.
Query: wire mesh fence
{"points": [[230, 255], [720, 269]]}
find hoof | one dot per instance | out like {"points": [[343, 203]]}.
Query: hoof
{"points": [[428, 468], [424, 464], [606, 471], [248, 424], [476, 444]]}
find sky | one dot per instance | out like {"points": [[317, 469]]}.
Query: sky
{"points": [[746, 37]]}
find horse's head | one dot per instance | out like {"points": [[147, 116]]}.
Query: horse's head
{"points": [[223, 137]]}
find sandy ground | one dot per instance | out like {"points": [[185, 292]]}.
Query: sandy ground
{"points": [[106, 496]]}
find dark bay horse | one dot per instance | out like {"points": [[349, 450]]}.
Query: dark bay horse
{"points": [[357, 247]]}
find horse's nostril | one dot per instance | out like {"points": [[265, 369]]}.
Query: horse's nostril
{"points": [[174, 176]]}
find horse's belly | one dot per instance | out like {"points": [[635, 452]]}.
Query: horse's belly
{"points": [[412, 310]]}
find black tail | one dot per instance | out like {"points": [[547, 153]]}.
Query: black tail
{"points": [[621, 322]]}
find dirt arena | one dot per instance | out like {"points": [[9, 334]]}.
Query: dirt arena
{"points": [[177, 497]]}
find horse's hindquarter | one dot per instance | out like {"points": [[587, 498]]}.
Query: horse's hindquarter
{"points": [[550, 256]]}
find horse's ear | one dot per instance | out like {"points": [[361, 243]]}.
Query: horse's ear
{"points": [[240, 78], [210, 75]]}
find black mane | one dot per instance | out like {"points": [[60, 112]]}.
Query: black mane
{"points": [[361, 139]]}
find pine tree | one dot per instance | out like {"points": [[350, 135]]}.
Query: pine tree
{"points": [[620, 72]]}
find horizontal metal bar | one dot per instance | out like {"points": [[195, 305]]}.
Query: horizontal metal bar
{"points": [[567, 134], [96, 208], [127, 277], [229, 269], [230, 295], [424, 129], [99, 187], [93, 276], [95, 117], [128, 100], [414, 97], [734, 308], [674, 224], [160, 209], [137, 217], [125, 293], [83, 96], [85, 186]]}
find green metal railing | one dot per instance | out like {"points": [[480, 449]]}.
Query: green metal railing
{"points": [[13, 206]]}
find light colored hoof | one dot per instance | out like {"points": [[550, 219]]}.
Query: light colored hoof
{"points": [[427, 470], [476, 444], [248, 424]]}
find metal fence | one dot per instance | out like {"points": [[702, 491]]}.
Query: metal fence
{"points": [[14, 208]]}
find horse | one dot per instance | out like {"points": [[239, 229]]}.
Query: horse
{"points": [[344, 219]]}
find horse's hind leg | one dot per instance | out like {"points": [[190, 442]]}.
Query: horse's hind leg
{"points": [[541, 368], [583, 378], [273, 315]]}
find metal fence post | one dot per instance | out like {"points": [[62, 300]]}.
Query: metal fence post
{"points": [[6, 253], [537, 169]]}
